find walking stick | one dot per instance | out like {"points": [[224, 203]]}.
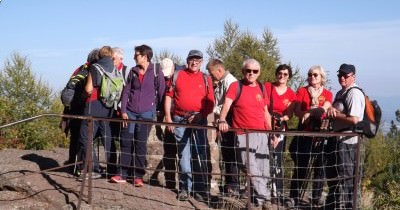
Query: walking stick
{"points": [[202, 166]]}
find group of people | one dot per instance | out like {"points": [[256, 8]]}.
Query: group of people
{"points": [[247, 106], [188, 96]]}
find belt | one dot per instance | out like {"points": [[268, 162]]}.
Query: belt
{"points": [[182, 113]]}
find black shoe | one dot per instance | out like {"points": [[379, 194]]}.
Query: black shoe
{"points": [[183, 196], [201, 197], [232, 192], [317, 202]]}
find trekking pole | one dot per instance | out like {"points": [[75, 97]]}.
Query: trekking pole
{"points": [[310, 166], [202, 169], [273, 167]]}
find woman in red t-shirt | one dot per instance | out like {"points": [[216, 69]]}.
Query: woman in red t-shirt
{"points": [[313, 101], [282, 101]]}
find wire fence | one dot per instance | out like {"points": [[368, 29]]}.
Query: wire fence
{"points": [[305, 170]]}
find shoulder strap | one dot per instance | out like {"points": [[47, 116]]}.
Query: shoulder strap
{"points": [[205, 81], [174, 78], [239, 89], [345, 96], [156, 83], [262, 88], [103, 72]]}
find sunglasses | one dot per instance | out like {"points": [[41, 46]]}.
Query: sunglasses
{"points": [[344, 75], [283, 74], [136, 55], [313, 75], [254, 71]]}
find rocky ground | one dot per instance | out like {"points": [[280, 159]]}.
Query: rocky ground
{"points": [[22, 187]]}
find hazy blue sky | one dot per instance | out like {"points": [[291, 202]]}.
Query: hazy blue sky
{"points": [[57, 35]]}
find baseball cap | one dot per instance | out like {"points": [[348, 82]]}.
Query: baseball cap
{"points": [[195, 53], [347, 68]]}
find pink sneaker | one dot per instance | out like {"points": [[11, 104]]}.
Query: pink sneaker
{"points": [[138, 182], [117, 179]]}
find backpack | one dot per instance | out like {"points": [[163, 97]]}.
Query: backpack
{"points": [[369, 126], [111, 86], [229, 116], [71, 95], [239, 90], [158, 100]]}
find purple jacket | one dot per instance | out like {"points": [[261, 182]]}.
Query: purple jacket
{"points": [[140, 97]]}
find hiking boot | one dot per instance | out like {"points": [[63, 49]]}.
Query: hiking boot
{"points": [[201, 197], [117, 179], [232, 192], [138, 182], [317, 203], [183, 196], [95, 175]]}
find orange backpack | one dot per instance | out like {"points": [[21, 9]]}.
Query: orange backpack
{"points": [[369, 126]]}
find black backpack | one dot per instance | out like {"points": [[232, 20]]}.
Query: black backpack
{"points": [[71, 95], [369, 126]]}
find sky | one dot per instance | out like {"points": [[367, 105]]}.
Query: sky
{"points": [[56, 36]]}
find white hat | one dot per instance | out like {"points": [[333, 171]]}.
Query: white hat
{"points": [[167, 66]]}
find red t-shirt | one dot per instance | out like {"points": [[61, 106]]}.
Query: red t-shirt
{"points": [[248, 110], [190, 94], [304, 98], [280, 102]]}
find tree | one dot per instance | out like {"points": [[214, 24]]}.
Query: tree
{"points": [[167, 54], [23, 96], [235, 46]]}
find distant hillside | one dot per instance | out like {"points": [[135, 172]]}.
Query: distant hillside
{"points": [[389, 106]]}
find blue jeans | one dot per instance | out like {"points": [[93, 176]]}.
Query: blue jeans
{"points": [[192, 152], [134, 145]]}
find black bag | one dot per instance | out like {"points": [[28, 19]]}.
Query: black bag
{"points": [[71, 95]]}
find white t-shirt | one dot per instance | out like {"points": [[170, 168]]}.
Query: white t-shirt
{"points": [[353, 105]]}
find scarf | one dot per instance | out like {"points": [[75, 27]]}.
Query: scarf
{"points": [[314, 93]]}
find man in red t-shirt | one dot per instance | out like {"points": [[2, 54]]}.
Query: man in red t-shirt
{"points": [[250, 111], [192, 96]]}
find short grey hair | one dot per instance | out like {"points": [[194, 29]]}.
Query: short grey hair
{"points": [[251, 61], [118, 51]]}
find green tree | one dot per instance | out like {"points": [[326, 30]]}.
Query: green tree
{"points": [[235, 46], [382, 168], [23, 96]]}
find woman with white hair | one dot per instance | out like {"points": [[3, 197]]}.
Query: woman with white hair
{"points": [[313, 101]]}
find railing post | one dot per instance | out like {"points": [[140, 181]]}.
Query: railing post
{"points": [[88, 166], [248, 172], [357, 171]]}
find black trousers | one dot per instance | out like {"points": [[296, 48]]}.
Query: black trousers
{"points": [[340, 164], [169, 159], [308, 155], [230, 161]]}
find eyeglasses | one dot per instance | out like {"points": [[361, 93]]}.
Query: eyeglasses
{"points": [[136, 55], [254, 71], [282, 74], [344, 75], [313, 75], [195, 60]]}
